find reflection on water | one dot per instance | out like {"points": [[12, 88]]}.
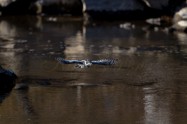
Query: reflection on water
{"points": [[147, 85]]}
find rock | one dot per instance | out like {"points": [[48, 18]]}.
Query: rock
{"points": [[124, 5], [180, 21], [111, 5], [180, 26], [73, 7], [109, 9], [154, 21], [129, 9], [127, 26], [4, 3], [7, 80], [180, 15], [156, 4], [15, 6]]}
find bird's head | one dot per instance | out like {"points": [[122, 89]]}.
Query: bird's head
{"points": [[87, 63]]}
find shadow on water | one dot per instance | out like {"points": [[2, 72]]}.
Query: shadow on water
{"points": [[26, 104], [147, 85]]}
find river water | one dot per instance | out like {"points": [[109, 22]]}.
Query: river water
{"points": [[147, 85]]}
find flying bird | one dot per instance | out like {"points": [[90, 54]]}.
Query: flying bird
{"points": [[87, 63]]}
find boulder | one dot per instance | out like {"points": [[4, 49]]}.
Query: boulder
{"points": [[15, 6], [180, 20], [7, 80], [111, 5], [129, 9], [73, 7], [126, 9], [124, 5]]}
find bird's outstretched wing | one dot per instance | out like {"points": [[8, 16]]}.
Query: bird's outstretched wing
{"points": [[61, 60], [104, 62], [88, 63]]}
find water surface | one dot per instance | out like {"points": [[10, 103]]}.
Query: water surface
{"points": [[148, 85]]}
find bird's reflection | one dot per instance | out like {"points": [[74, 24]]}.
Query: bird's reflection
{"points": [[25, 102], [79, 95]]}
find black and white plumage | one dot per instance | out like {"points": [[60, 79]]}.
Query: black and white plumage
{"points": [[87, 63], [104, 62]]}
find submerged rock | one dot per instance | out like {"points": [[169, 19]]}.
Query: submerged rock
{"points": [[7, 80]]}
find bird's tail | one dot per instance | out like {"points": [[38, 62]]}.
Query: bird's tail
{"points": [[104, 62], [60, 59]]}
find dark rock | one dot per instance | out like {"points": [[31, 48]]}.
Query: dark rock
{"points": [[15, 7], [175, 5], [102, 9], [180, 15], [111, 5], [73, 7], [130, 5], [7, 80], [128, 9], [119, 15]]}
